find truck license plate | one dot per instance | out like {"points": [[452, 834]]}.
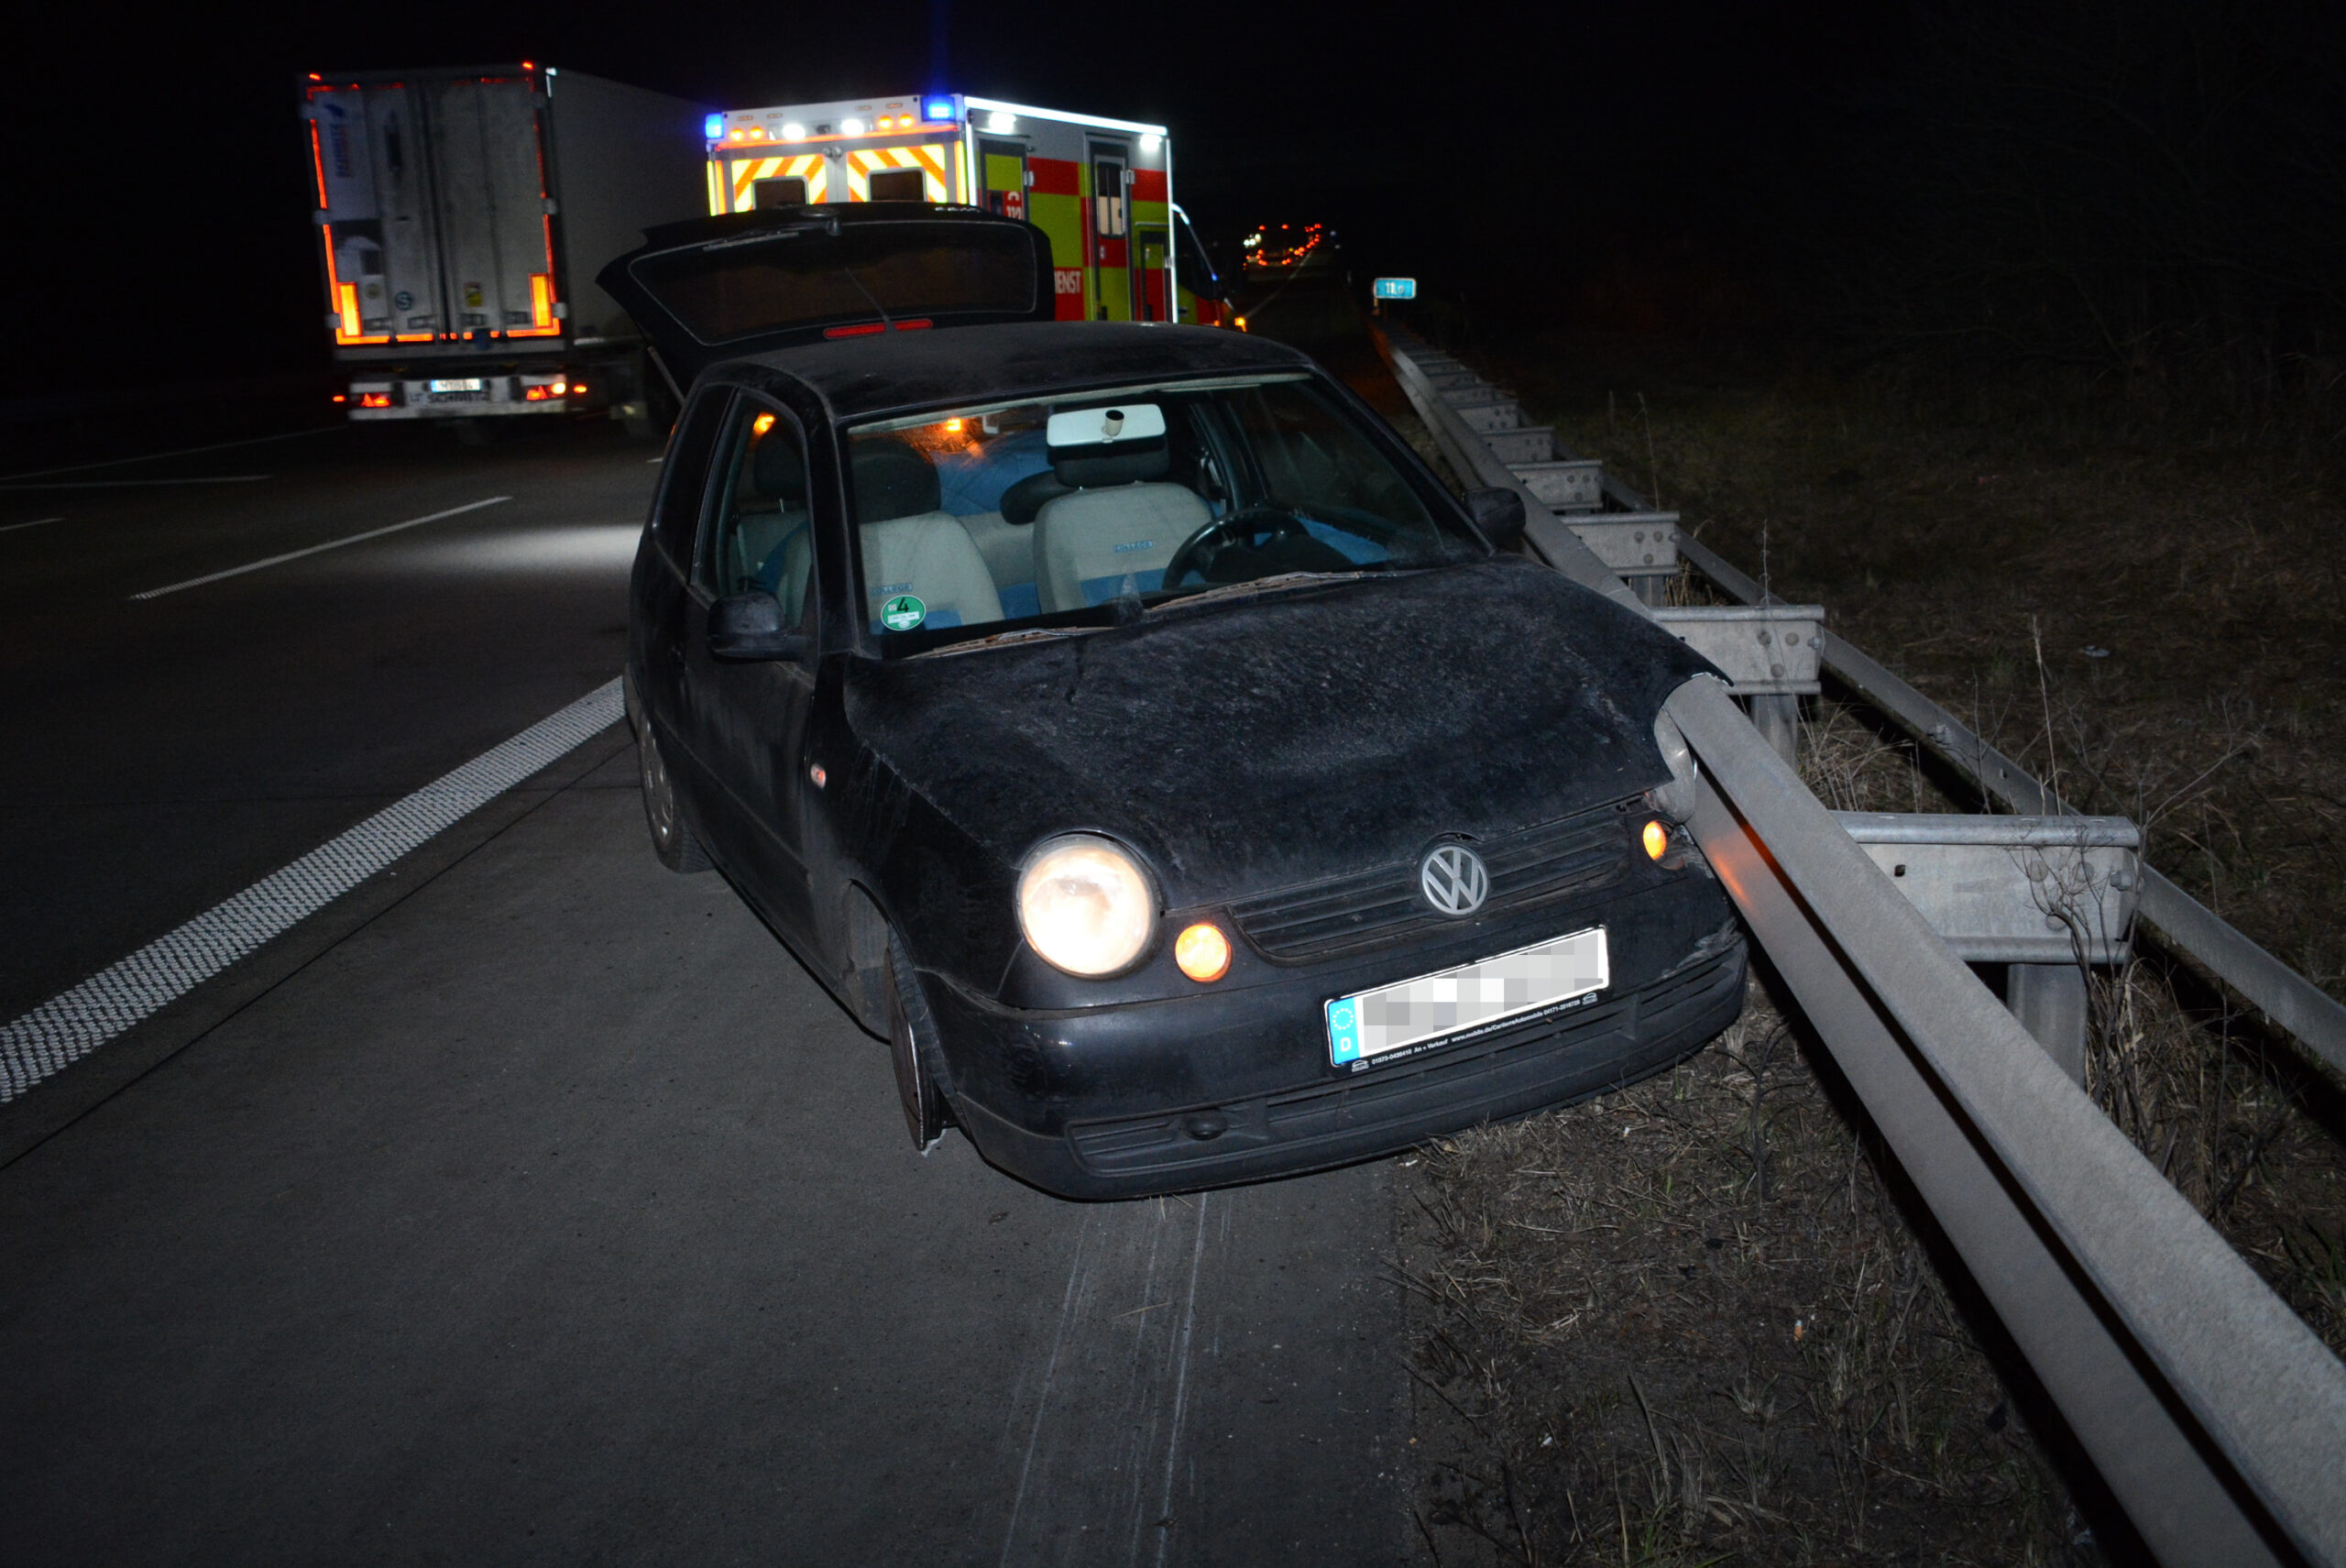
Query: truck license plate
{"points": [[462, 384]]}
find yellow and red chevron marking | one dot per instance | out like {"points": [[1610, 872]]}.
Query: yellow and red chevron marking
{"points": [[929, 158], [748, 171]]}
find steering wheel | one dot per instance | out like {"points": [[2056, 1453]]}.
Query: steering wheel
{"points": [[1201, 550]]}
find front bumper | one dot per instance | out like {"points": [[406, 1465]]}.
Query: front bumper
{"points": [[1210, 1089]]}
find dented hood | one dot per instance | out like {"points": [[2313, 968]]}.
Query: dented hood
{"points": [[1258, 743]]}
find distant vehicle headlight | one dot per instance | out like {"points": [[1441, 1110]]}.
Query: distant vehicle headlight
{"points": [[1085, 905]]}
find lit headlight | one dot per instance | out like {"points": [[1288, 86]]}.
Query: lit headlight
{"points": [[1085, 905]]}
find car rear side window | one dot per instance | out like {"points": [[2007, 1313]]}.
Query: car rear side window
{"points": [[759, 540], [675, 515]]}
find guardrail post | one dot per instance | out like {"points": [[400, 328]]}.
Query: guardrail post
{"points": [[2049, 1000], [1778, 720]]}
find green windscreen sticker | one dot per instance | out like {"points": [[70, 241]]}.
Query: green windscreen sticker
{"points": [[903, 613]]}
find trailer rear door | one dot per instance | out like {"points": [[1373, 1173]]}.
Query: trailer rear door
{"points": [[494, 213], [379, 228]]}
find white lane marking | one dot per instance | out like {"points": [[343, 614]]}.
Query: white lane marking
{"points": [[141, 484], [1180, 1385], [329, 545], [176, 452], [72, 1025], [35, 522]]}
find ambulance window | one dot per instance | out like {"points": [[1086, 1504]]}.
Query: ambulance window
{"points": [[898, 185], [789, 192]]}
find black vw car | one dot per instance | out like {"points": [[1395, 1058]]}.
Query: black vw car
{"points": [[1123, 722]]}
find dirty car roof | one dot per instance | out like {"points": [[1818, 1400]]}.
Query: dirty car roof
{"points": [[867, 375]]}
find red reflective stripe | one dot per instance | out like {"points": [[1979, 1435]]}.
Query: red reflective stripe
{"points": [[862, 329], [1148, 184], [1054, 176], [916, 325]]}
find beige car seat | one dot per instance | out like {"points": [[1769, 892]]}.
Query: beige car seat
{"points": [[910, 545], [1094, 544]]}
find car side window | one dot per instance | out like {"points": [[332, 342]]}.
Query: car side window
{"points": [[676, 516], [758, 538]]}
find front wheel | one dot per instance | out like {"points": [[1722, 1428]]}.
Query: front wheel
{"points": [[672, 838], [912, 1044]]}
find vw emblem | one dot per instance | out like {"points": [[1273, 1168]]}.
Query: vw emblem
{"points": [[1454, 880]]}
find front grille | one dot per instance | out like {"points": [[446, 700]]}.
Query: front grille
{"points": [[1543, 1061], [1368, 909]]}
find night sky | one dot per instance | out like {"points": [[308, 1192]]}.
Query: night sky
{"points": [[1504, 148]]}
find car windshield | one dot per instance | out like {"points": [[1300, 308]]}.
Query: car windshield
{"points": [[1086, 509]]}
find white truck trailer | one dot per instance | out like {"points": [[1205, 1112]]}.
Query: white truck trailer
{"points": [[462, 217]]}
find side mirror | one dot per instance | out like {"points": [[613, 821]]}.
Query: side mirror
{"points": [[1498, 515], [745, 627]]}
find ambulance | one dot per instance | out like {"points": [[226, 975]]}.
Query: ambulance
{"points": [[1102, 189]]}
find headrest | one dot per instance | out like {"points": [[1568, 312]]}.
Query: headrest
{"points": [[1114, 445], [893, 479], [778, 470], [1086, 468], [1024, 499]]}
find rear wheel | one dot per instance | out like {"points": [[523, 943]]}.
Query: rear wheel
{"points": [[672, 837], [912, 1044]]}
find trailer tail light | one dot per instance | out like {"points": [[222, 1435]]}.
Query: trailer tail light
{"points": [[546, 391], [373, 400], [340, 399], [540, 299]]}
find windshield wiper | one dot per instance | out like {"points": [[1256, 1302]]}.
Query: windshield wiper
{"points": [[1006, 639], [1275, 584]]}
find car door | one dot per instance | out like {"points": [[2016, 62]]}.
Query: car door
{"points": [[662, 585], [747, 721]]}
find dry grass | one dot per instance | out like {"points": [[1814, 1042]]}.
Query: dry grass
{"points": [[1686, 1323], [1607, 1297]]}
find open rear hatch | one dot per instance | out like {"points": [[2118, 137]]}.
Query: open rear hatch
{"points": [[715, 289]]}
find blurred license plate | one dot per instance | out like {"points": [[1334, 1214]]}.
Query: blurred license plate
{"points": [[462, 384], [1434, 1007]]}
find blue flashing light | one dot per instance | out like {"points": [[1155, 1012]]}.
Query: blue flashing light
{"points": [[713, 128], [937, 108]]}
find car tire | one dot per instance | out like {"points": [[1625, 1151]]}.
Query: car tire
{"points": [[912, 1047], [672, 838]]}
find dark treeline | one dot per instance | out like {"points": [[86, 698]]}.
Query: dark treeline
{"points": [[2149, 189]]}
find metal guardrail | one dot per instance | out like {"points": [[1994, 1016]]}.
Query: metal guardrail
{"points": [[2214, 1415]]}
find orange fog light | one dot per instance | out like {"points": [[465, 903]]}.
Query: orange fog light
{"points": [[1655, 839], [1203, 952]]}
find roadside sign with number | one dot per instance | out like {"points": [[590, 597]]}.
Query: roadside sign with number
{"points": [[1396, 288]]}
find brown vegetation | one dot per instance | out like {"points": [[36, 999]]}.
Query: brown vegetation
{"points": [[1607, 1297]]}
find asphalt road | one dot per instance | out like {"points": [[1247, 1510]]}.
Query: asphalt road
{"points": [[530, 1203]]}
